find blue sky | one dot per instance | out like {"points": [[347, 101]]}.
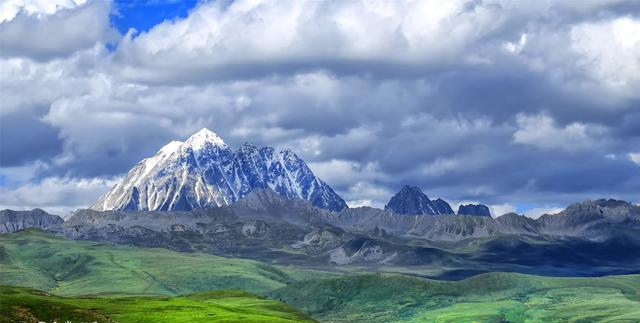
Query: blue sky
{"points": [[525, 106], [143, 15]]}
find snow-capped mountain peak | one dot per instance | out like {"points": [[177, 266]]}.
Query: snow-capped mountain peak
{"points": [[170, 148], [202, 138], [204, 172]]}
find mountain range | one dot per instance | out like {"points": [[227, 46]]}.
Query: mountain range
{"points": [[269, 206], [588, 238], [204, 171]]}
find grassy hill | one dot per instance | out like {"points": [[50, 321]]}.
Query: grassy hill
{"points": [[106, 282], [40, 260], [27, 305], [494, 297]]}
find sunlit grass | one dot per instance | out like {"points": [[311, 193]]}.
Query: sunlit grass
{"points": [[23, 305]]}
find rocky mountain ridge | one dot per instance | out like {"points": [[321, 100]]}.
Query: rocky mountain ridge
{"points": [[265, 226], [410, 200], [584, 238], [12, 221], [592, 220]]}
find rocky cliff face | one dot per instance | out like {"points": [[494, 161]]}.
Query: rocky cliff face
{"points": [[474, 209], [205, 172], [11, 221]]}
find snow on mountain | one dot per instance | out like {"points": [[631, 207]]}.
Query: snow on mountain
{"points": [[205, 172]]}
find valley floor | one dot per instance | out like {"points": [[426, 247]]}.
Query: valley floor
{"points": [[91, 281]]}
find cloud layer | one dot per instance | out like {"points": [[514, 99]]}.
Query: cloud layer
{"points": [[508, 103]]}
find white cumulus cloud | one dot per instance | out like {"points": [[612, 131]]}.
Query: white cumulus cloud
{"points": [[9, 9], [56, 33], [610, 52], [246, 38], [635, 157], [57, 195], [542, 131]]}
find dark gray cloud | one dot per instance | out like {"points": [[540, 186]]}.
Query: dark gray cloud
{"points": [[36, 140], [500, 102]]}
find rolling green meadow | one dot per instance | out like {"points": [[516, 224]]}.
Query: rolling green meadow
{"points": [[88, 281], [492, 297], [43, 261]]}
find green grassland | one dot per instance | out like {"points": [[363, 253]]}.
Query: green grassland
{"points": [[40, 260], [26, 305], [88, 281], [494, 297]]}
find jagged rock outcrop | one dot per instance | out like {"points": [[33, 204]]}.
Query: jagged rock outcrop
{"points": [[11, 221], [443, 206], [474, 209], [411, 200], [205, 172]]}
